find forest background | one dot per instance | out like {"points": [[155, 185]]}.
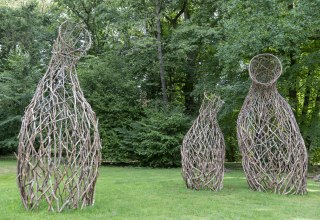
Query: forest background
{"points": [[151, 61]]}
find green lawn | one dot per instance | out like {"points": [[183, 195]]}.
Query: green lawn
{"points": [[144, 193]]}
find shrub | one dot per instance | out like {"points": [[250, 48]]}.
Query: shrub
{"points": [[156, 138], [315, 156]]}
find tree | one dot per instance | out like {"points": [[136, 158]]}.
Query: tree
{"points": [[88, 12], [160, 56], [25, 39]]}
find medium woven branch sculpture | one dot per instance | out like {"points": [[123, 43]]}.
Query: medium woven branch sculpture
{"points": [[274, 156], [203, 149], [59, 144]]}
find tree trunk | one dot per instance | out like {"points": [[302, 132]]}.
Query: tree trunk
{"points": [[305, 107], [190, 64], [293, 93], [160, 55], [188, 87]]}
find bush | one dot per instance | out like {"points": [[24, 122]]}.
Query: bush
{"points": [[114, 96], [156, 138], [315, 156]]}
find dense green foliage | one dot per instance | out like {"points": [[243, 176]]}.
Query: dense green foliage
{"points": [[143, 193], [156, 138], [205, 46], [25, 40]]}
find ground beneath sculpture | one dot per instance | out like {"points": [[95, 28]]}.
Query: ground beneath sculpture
{"points": [[144, 193]]}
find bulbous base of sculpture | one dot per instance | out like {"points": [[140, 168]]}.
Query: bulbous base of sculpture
{"points": [[57, 184], [206, 176], [291, 181]]}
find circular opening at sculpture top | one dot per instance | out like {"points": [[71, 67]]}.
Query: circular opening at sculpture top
{"points": [[75, 36], [265, 69]]}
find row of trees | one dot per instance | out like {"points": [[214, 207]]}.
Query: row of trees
{"points": [[151, 61]]}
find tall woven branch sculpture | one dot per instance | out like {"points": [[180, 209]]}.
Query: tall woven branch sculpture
{"points": [[59, 144], [273, 151], [203, 149]]}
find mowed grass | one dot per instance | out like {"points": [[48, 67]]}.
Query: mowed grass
{"points": [[145, 193]]}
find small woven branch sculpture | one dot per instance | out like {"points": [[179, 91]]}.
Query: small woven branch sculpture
{"points": [[273, 151], [203, 149], [59, 144]]}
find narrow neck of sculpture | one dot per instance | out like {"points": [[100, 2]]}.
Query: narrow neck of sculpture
{"points": [[211, 105], [259, 88], [62, 58]]}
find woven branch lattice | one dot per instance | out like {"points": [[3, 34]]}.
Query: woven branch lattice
{"points": [[273, 151], [203, 149], [59, 144]]}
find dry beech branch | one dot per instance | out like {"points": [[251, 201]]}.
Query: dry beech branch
{"points": [[59, 144], [203, 149], [273, 151]]}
